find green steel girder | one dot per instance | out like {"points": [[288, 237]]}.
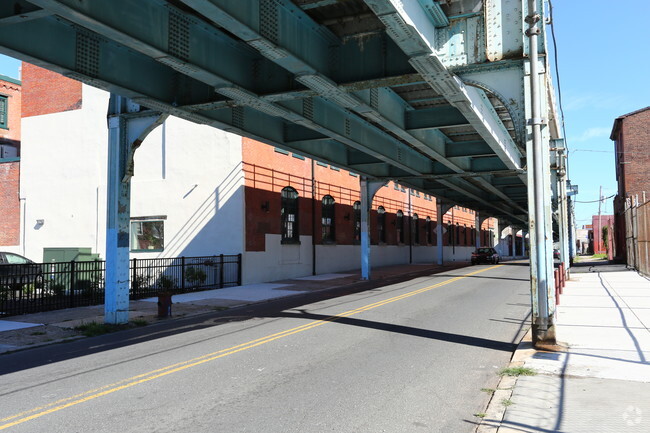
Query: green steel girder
{"points": [[306, 58], [435, 118], [325, 113], [411, 28], [287, 81], [468, 148]]}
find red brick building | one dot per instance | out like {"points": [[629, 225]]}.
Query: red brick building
{"points": [[10, 109], [631, 136]]}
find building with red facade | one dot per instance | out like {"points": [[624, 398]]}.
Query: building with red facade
{"points": [[631, 136]]}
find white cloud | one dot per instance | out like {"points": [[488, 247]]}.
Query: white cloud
{"points": [[591, 134]]}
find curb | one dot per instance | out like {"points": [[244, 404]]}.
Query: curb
{"points": [[495, 410]]}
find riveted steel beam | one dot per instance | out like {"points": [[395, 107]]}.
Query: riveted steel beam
{"points": [[321, 117], [409, 26]]}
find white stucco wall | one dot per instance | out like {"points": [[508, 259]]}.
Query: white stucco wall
{"points": [[189, 173]]}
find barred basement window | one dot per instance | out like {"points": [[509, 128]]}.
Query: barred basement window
{"points": [[289, 216], [148, 235], [399, 226], [3, 112], [327, 220], [381, 224], [356, 207]]}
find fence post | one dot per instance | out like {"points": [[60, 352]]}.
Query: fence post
{"points": [[183, 273], [239, 269], [73, 282], [134, 274], [221, 271]]}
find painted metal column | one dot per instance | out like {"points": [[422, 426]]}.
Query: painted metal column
{"points": [[563, 222], [127, 128], [477, 223], [368, 189], [543, 327]]}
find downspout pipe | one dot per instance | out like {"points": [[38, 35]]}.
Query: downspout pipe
{"points": [[540, 251]]}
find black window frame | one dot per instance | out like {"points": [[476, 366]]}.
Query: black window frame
{"points": [[290, 233], [416, 229], [4, 112], [381, 225], [328, 220], [399, 226], [356, 222]]}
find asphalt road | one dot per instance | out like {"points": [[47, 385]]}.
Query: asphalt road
{"points": [[407, 357]]}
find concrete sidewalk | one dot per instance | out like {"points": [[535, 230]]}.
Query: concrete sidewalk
{"points": [[601, 381], [32, 330]]}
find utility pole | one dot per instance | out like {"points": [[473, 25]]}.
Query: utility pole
{"points": [[600, 201]]}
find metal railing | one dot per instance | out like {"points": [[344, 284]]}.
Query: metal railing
{"points": [[38, 287], [637, 235]]}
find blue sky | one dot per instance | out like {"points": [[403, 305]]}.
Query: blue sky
{"points": [[604, 63]]}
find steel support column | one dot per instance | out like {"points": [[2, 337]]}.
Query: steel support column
{"points": [[478, 223], [127, 128], [539, 201], [563, 220], [368, 189]]}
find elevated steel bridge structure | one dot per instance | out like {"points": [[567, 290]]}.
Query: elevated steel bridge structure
{"points": [[450, 97]]}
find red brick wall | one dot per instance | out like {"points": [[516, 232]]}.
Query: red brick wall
{"points": [[635, 145], [268, 171], [9, 203], [46, 92]]}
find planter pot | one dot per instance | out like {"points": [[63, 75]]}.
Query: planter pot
{"points": [[164, 305]]}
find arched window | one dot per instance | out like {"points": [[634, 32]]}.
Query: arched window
{"points": [[416, 229], [327, 220], [381, 224], [399, 226], [356, 207], [427, 230], [289, 216]]}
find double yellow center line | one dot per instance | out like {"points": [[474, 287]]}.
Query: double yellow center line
{"points": [[92, 394]]}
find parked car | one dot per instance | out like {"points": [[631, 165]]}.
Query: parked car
{"points": [[485, 255], [556, 254], [16, 270]]}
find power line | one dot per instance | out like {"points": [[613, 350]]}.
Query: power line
{"points": [[596, 201]]}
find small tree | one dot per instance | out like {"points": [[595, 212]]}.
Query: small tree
{"points": [[605, 236]]}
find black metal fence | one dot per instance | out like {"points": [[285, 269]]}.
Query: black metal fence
{"points": [[37, 287]]}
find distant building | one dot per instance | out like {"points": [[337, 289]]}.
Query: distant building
{"points": [[631, 136], [10, 104], [582, 239], [601, 241]]}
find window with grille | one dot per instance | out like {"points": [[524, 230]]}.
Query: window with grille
{"points": [[381, 224], [3, 112], [416, 229], [356, 207], [399, 226], [289, 216], [327, 220]]}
